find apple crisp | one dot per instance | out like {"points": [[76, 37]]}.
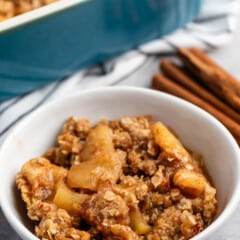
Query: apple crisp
{"points": [[124, 179], [11, 8]]}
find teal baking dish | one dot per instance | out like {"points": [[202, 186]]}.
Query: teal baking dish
{"points": [[54, 41]]}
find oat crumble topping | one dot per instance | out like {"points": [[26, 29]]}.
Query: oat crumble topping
{"points": [[123, 179]]}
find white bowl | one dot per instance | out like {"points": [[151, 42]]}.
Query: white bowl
{"points": [[197, 130]]}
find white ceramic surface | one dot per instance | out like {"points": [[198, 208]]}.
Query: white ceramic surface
{"points": [[198, 131]]}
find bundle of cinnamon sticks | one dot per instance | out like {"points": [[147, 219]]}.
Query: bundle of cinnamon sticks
{"points": [[201, 81]]}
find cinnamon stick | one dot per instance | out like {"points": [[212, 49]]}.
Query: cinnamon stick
{"points": [[228, 79], [164, 84], [212, 75], [175, 73]]}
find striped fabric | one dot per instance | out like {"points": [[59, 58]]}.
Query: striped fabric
{"points": [[213, 28]]}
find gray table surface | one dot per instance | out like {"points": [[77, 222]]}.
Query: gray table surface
{"points": [[227, 56]]}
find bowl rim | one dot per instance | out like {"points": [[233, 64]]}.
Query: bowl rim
{"points": [[216, 224]]}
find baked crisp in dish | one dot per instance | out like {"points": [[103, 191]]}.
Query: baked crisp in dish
{"points": [[11, 8], [124, 179]]}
